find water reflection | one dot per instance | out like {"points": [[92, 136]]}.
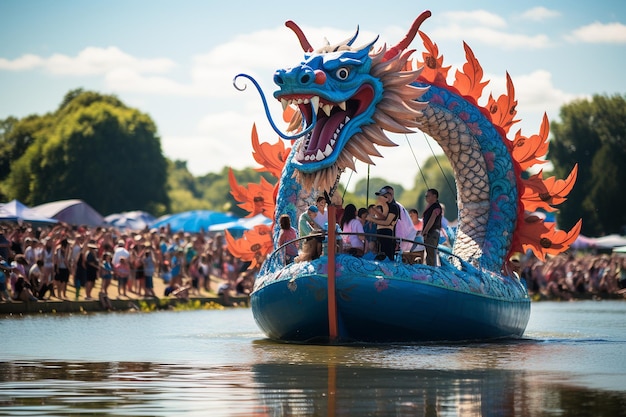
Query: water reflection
{"points": [[289, 389]]}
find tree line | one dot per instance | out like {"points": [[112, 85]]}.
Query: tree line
{"points": [[95, 148]]}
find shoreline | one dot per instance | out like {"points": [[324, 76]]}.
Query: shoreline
{"points": [[132, 302]]}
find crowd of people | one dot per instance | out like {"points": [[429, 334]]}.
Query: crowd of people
{"points": [[574, 276], [40, 263], [381, 231]]}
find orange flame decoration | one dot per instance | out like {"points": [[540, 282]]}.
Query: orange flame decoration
{"points": [[535, 192], [256, 244], [253, 247], [531, 233]]}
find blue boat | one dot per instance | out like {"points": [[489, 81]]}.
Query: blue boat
{"points": [[343, 99]]}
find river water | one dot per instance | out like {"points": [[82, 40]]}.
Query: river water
{"points": [[571, 362]]}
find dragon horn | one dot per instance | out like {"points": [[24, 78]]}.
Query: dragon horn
{"points": [[404, 43], [351, 41], [301, 37]]}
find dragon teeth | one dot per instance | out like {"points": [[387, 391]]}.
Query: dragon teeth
{"points": [[328, 150], [315, 103]]}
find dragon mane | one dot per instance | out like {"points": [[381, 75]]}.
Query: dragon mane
{"points": [[397, 111]]}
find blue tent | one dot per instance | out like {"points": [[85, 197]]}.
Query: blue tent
{"points": [[193, 221], [246, 223]]}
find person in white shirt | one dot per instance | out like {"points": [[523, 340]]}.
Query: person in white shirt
{"points": [[322, 215]]}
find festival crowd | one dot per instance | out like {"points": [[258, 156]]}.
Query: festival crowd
{"points": [[37, 263]]}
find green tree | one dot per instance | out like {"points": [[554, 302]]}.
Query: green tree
{"points": [[592, 134], [96, 149]]}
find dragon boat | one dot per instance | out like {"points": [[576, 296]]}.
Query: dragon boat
{"points": [[341, 100]]}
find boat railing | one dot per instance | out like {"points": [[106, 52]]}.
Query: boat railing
{"points": [[320, 240]]}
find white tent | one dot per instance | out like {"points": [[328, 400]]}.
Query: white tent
{"points": [[16, 211], [610, 241], [132, 220], [74, 212], [619, 249]]}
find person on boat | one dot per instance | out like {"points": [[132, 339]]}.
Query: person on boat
{"points": [[312, 247], [417, 248], [322, 215], [370, 228], [306, 223], [386, 216], [432, 225], [353, 243], [287, 234], [337, 201]]}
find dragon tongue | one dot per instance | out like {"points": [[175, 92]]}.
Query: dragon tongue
{"points": [[324, 131]]}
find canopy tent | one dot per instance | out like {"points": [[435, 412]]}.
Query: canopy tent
{"points": [[241, 224], [619, 249], [74, 212], [609, 241], [131, 220], [15, 211], [193, 221], [583, 242]]}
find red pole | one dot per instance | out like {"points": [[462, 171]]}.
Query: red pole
{"points": [[332, 296]]}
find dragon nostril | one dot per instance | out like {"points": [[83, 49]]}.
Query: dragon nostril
{"points": [[278, 80], [305, 79]]}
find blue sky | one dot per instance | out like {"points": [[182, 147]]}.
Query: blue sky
{"points": [[176, 60]]}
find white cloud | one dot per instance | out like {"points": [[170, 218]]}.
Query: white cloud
{"points": [[489, 36], [221, 139], [89, 61], [25, 62], [475, 17], [485, 27], [600, 33], [129, 80], [539, 14]]}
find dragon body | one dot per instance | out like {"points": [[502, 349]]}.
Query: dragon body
{"points": [[343, 98]]}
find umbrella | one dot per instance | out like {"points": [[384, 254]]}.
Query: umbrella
{"points": [[241, 224], [132, 220], [193, 221]]}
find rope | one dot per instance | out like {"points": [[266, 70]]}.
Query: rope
{"points": [[450, 187], [416, 161]]}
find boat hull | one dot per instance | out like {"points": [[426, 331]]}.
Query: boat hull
{"points": [[388, 302]]}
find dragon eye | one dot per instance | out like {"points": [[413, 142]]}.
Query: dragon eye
{"points": [[342, 73]]}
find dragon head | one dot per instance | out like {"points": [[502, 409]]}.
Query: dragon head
{"points": [[346, 97]]}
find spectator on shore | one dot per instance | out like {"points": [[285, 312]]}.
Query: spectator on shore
{"points": [[61, 263], [106, 273], [5, 270], [122, 271], [92, 266], [149, 268]]}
